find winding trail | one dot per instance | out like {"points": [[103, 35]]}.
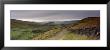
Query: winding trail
{"points": [[65, 34], [59, 35]]}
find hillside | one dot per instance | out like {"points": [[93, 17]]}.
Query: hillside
{"points": [[21, 30], [89, 26], [85, 29], [86, 23], [23, 24]]}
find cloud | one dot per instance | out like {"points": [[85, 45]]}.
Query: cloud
{"points": [[53, 15]]}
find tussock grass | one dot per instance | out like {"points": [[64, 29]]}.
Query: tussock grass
{"points": [[73, 36]]}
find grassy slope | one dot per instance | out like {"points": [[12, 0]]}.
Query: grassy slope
{"points": [[86, 22], [67, 35], [22, 30], [74, 36]]}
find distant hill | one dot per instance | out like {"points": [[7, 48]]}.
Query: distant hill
{"points": [[88, 26], [15, 22], [86, 23], [23, 24], [76, 24], [66, 22], [61, 22]]}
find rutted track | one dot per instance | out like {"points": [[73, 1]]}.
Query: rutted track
{"points": [[59, 35]]}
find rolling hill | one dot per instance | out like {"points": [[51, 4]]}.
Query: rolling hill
{"points": [[89, 26], [25, 30]]}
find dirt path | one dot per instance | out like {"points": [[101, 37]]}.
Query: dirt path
{"points": [[59, 35]]}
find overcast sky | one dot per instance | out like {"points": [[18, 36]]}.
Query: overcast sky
{"points": [[52, 15]]}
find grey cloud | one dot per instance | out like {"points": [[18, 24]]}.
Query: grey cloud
{"points": [[53, 14]]}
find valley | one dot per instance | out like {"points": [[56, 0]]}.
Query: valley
{"points": [[84, 29]]}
